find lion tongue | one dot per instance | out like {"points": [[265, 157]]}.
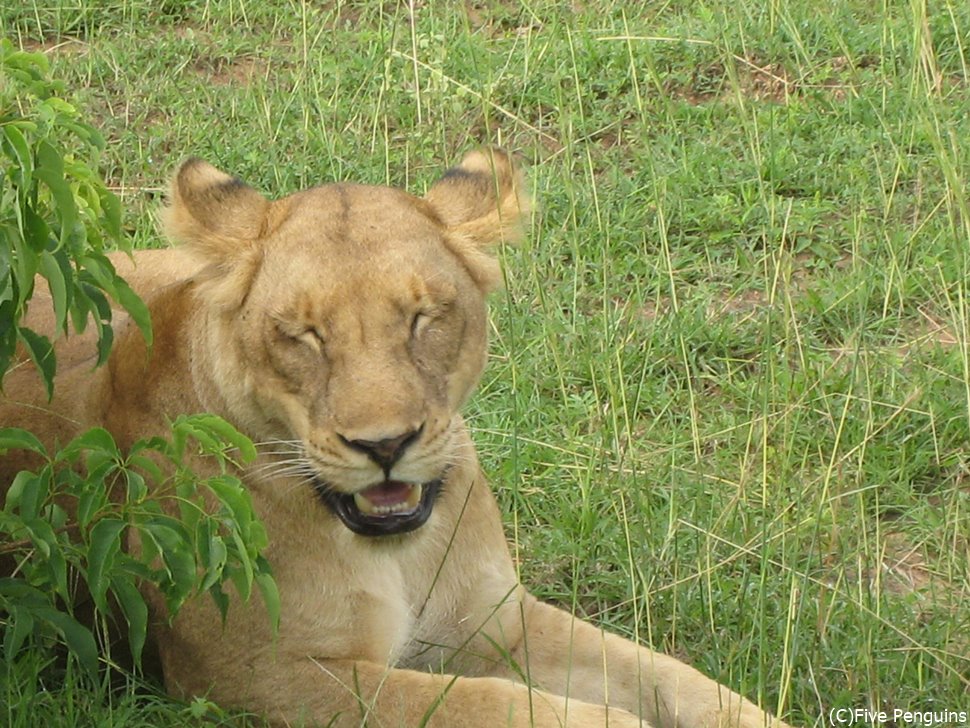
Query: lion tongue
{"points": [[391, 496]]}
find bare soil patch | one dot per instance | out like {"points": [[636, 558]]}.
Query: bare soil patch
{"points": [[755, 79]]}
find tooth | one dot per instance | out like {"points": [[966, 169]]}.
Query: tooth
{"points": [[367, 507], [414, 498], [364, 505]]}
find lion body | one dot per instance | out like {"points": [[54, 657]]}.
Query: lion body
{"points": [[345, 326]]}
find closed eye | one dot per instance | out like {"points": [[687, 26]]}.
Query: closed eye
{"points": [[420, 322], [312, 337], [308, 335]]}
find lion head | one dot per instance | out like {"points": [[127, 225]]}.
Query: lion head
{"points": [[348, 322]]}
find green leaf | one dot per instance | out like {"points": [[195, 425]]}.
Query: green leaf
{"points": [[21, 482], [191, 510], [61, 107], [91, 300], [105, 342], [78, 638], [6, 283], [188, 427], [235, 498], [81, 308], [178, 559], [137, 489], [43, 538], [97, 439], [27, 492], [136, 613], [100, 269], [57, 517], [200, 708], [220, 598], [100, 308], [37, 233], [111, 206], [24, 269], [144, 463], [135, 307], [42, 353], [48, 543], [90, 503], [57, 284], [104, 545], [269, 592], [214, 434], [24, 161], [8, 335], [242, 578], [17, 589], [51, 172], [20, 625], [100, 467], [215, 557], [14, 438]]}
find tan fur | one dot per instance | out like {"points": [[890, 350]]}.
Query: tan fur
{"points": [[295, 320]]}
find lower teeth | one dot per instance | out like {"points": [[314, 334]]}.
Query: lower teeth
{"points": [[369, 508]]}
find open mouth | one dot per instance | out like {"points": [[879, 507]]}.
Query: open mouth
{"points": [[385, 509]]}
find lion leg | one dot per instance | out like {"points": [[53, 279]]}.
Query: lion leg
{"points": [[563, 654], [352, 693]]}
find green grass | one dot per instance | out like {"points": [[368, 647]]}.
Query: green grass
{"points": [[728, 407]]}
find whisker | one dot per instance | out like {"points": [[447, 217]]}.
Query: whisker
{"points": [[280, 448], [276, 464], [304, 472], [290, 454], [293, 445], [298, 484], [282, 470]]}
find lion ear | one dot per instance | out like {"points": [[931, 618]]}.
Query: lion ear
{"points": [[211, 212], [482, 202], [219, 219]]}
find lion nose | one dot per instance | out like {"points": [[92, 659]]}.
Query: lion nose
{"points": [[385, 452]]}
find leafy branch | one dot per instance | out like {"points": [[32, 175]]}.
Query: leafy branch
{"points": [[65, 523], [93, 523], [57, 217]]}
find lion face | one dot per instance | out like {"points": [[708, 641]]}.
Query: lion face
{"points": [[347, 323]]}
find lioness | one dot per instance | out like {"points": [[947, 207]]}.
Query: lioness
{"points": [[345, 325]]}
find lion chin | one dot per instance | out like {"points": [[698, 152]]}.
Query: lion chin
{"points": [[342, 328]]}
